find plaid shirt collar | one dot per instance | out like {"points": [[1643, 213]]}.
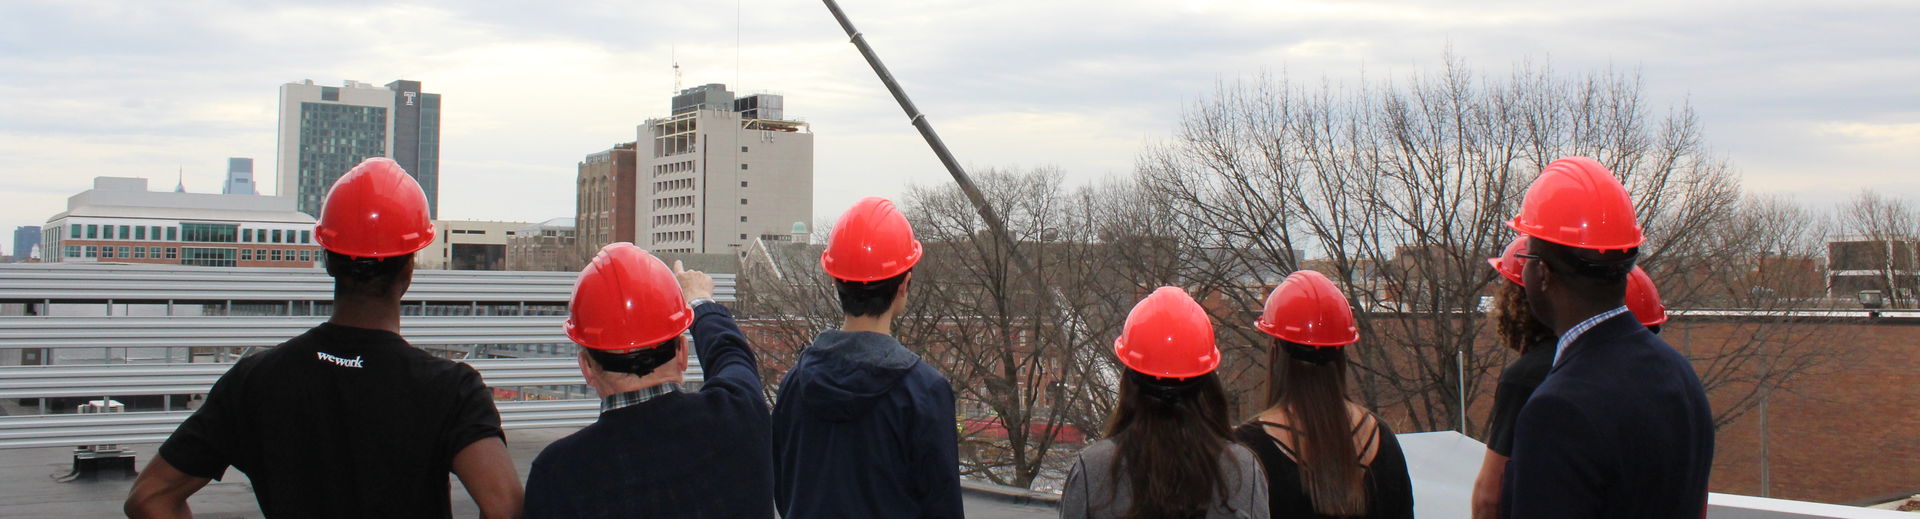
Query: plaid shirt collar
{"points": [[633, 398], [1566, 339]]}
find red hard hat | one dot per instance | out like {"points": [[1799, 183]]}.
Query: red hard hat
{"points": [[1168, 335], [626, 299], [1509, 263], [1576, 202], [1643, 299], [872, 241], [1308, 309], [376, 210]]}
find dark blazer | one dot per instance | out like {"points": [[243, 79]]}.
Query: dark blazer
{"points": [[1620, 428]]}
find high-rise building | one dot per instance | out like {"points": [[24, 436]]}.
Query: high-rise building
{"points": [[722, 172], [239, 177], [325, 131], [606, 194], [25, 237], [119, 220]]}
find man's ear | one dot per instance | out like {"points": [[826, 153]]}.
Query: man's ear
{"points": [[587, 369], [680, 358]]}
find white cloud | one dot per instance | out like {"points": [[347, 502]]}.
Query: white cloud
{"points": [[1790, 91]]}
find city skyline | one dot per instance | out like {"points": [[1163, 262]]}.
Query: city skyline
{"points": [[1805, 100]]}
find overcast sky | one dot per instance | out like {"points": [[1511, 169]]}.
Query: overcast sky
{"points": [[1820, 99]]}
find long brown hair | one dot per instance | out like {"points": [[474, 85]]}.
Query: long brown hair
{"points": [[1513, 320], [1313, 393], [1170, 435]]}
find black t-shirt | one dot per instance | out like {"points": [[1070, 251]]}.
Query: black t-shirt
{"points": [[339, 422], [1517, 383]]}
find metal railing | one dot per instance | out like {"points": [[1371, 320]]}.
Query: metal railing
{"points": [[26, 432], [241, 332], [30, 282]]}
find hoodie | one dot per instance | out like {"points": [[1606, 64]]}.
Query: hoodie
{"points": [[863, 428]]}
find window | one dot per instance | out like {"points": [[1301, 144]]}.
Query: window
{"points": [[743, 201], [260, 254], [93, 252], [743, 219], [73, 231], [210, 232], [140, 233], [743, 149], [125, 233], [246, 254], [276, 254], [206, 256], [153, 252], [156, 232], [93, 231], [743, 183], [106, 233], [173, 234], [743, 236], [246, 235], [73, 251], [743, 166], [306, 255], [124, 253], [106, 251], [139, 253], [171, 252], [306, 236]]}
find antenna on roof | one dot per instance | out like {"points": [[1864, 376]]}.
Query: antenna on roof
{"points": [[676, 71], [180, 180]]}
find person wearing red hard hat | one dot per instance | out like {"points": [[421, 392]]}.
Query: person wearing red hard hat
{"points": [[1621, 427], [1325, 456], [862, 427], [657, 450], [1518, 330], [1168, 451], [348, 419], [1643, 299]]}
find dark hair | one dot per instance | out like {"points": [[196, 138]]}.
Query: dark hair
{"points": [[868, 298], [1596, 268], [1513, 318], [1170, 434], [636, 362], [1312, 391], [367, 278]]}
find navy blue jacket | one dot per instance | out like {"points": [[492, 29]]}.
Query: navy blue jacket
{"points": [[863, 428], [699, 453], [1620, 428]]}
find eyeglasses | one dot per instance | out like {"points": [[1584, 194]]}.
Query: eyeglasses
{"points": [[1526, 256]]}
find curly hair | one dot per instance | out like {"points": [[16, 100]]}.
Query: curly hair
{"points": [[1513, 319]]}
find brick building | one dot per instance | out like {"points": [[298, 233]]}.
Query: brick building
{"points": [[119, 220]]}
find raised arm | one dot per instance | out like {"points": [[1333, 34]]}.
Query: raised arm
{"points": [[161, 491]]}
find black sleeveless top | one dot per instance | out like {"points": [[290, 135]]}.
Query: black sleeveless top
{"points": [[1389, 489]]}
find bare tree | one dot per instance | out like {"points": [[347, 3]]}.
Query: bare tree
{"points": [[1401, 188], [1027, 356]]}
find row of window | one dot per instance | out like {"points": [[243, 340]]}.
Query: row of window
{"points": [[191, 232], [677, 167], [671, 202], [673, 236], [672, 185], [673, 219], [194, 253]]}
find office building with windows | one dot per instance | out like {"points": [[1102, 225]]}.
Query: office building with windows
{"points": [[239, 177], [119, 220], [325, 131], [468, 245], [606, 192], [25, 238], [548, 246], [721, 172]]}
